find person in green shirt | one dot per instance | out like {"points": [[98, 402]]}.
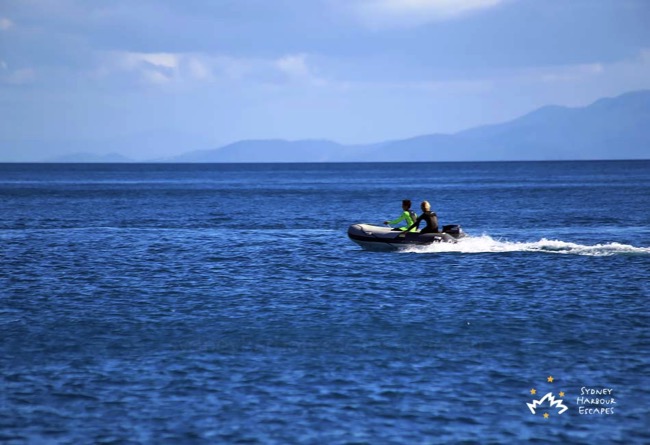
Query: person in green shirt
{"points": [[407, 215]]}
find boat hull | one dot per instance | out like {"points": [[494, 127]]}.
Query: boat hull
{"points": [[381, 238]]}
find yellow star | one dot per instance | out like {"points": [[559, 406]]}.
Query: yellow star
{"points": [[561, 393], [546, 415], [533, 391], [550, 379]]}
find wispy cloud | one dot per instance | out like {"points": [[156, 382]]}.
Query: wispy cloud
{"points": [[409, 13], [626, 74], [557, 74], [296, 68], [5, 24], [187, 69], [148, 68], [21, 76]]}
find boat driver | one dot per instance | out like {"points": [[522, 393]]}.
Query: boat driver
{"points": [[429, 217]]}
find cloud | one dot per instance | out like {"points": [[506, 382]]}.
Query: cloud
{"points": [[295, 67], [5, 24], [191, 69], [633, 72], [411, 13], [558, 74], [159, 60], [22, 76], [153, 69]]}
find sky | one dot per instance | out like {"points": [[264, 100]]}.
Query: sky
{"points": [[155, 78]]}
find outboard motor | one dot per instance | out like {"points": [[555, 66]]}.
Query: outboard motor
{"points": [[452, 229]]}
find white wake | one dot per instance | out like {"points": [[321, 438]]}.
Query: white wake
{"points": [[487, 244]]}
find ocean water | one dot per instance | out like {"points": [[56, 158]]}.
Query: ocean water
{"points": [[225, 304]]}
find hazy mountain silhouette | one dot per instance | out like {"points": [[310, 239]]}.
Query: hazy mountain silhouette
{"points": [[152, 145], [90, 158], [275, 150], [612, 128]]}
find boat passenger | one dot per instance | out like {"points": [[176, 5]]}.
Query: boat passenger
{"points": [[429, 217], [407, 215]]}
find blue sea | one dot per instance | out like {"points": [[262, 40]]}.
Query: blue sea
{"points": [[225, 304]]}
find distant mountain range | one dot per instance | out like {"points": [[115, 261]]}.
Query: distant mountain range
{"points": [[89, 158], [611, 128]]}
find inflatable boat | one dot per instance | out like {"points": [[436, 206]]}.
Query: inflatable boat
{"points": [[377, 237]]}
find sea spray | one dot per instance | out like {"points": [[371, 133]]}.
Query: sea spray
{"points": [[487, 244]]}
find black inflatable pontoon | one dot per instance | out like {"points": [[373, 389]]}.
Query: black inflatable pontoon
{"points": [[377, 237]]}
